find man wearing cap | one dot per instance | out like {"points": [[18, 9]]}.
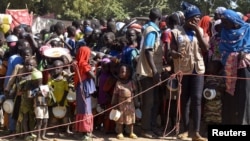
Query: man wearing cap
{"points": [[187, 46]]}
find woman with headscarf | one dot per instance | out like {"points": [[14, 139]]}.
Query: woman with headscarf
{"points": [[205, 23], [85, 86], [187, 45], [235, 50], [214, 41]]}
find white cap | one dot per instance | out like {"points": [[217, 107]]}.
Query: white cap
{"points": [[119, 25], [12, 38]]}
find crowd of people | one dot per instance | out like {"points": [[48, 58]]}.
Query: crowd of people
{"points": [[74, 76]]}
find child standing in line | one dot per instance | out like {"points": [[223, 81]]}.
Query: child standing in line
{"points": [[103, 97], [71, 39], [60, 90], [108, 88], [17, 86], [130, 52], [124, 91], [40, 95], [23, 102]]}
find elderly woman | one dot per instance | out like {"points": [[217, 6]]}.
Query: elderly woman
{"points": [[235, 49]]}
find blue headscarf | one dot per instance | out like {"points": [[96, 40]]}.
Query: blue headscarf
{"points": [[234, 40]]}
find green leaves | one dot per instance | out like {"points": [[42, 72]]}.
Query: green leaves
{"points": [[119, 9]]}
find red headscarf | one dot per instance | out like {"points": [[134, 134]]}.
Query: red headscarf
{"points": [[205, 25], [82, 58]]}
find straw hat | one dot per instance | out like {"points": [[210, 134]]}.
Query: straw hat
{"points": [[8, 106], [59, 111], [114, 115]]}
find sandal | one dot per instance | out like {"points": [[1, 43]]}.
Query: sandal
{"points": [[86, 138], [198, 138], [29, 138], [120, 136], [183, 136], [133, 136]]}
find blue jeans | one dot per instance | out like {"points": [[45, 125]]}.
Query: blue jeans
{"points": [[191, 98]]}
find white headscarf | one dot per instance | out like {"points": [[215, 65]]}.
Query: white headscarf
{"points": [[220, 10]]}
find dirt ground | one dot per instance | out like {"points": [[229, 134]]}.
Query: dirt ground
{"points": [[98, 135]]}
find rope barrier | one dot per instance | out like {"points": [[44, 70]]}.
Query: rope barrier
{"points": [[48, 69], [179, 76], [106, 110], [52, 68]]}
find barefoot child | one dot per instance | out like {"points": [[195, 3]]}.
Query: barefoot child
{"points": [[21, 77], [40, 94], [60, 90]]}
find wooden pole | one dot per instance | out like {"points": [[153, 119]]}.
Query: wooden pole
{"points": [[8, 5]]}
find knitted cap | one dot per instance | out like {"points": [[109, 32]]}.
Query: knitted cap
{"points": [[190, 10]]}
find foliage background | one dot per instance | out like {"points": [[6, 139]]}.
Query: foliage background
{"points": [[82, 9]]}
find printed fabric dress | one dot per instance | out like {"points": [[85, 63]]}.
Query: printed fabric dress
{"points": [[123, 94]]}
